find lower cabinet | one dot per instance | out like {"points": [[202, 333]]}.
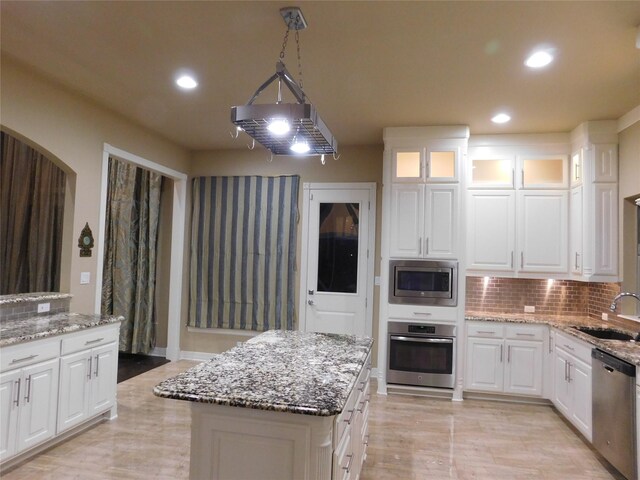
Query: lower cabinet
{"points": [[572, 382], [505, 358], [44, 393], [28, 402]]}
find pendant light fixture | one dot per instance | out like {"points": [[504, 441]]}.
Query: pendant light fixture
{"points": [[286, 128]]}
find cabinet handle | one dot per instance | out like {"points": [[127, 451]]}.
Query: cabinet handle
{"points": [[508, 353], [486, 332], [348, 420], [90, 367], [500, 353], [577, 170], [89, 342], [17, 400], [426, 246], [26, 398], [97, 365], [566, 364], [513, 177], [522, 259], [569, 372], [348, 467], [550, 343], [422, 313], [361, 387], [577, 256], [525, 334], [522, 178], [419, 246], [23, 359], [568, 347], [366, 440], [511, 258], [361, 406]]}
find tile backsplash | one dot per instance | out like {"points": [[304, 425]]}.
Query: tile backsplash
{"points": [[559, 297]]}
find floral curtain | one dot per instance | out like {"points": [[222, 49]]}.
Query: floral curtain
{"points": [[131, 236]]}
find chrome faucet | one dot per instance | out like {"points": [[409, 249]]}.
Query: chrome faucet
{"points": [[619, 296]]}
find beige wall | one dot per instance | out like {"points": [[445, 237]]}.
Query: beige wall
{"points": [[629, 185], [356, 164], [71, 129]]}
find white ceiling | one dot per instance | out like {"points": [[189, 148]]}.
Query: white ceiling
{"points": [[366, 65]]}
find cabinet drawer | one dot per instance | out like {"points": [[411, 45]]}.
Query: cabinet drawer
{"points": [[579, 349], [485, 329], [525, 332], [90, 338], [18, 356], [343, 457], [417, 312]]}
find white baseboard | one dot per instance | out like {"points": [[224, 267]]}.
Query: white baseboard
{"points": [[197, 356]]}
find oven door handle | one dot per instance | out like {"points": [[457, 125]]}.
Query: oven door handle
{"points": [[421, 339]]}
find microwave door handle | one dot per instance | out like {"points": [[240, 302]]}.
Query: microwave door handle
{"points": [[421, 339]]}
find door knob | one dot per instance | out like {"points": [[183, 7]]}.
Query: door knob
{"points": [[310, 302]]}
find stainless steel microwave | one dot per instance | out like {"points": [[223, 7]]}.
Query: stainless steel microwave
{"points": [[423, 282]]}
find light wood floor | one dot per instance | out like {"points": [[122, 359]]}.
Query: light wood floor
{"points": [[411, 438]]}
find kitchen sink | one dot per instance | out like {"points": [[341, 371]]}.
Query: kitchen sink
{"points": [[606, 333]]}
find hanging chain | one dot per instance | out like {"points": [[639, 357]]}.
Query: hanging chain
{"points": [[299, 61], [284, 46]]}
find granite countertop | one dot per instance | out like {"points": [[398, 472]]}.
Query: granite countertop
{"points": [[285, 371], [19, 298], [37, 327], [628, 351]]}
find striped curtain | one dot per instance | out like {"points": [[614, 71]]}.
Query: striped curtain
{"points": [[243, 252]]}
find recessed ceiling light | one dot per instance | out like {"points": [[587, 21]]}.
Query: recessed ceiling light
{"points": [[501, 118], [187, 82], [539, 59]]}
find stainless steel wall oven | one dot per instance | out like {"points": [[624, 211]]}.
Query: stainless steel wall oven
{"points": [[423, 282], [421, 354]]}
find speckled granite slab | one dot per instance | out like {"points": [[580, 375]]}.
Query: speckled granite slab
{"points": [[24, 330], [628, 351], [32, 297], [286, 371]]}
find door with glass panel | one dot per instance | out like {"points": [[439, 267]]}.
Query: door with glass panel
{"points": [[337, 261]]}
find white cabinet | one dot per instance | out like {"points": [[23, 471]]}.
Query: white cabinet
{"points": [[505, 358], [543, 231], [491, 233], [423, 221], [572, 382], [87, 379], [28, 398], [435, 163], [540, 217], [594, 228], [544, 171]]}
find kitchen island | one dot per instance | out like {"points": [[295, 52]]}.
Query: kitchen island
{"points": [[284, 405]]}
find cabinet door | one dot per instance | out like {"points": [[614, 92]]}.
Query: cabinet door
{"points": [[544, 171], [75, 389], [575, 173], [105, 371], [10, 383], [491, 230], [407, 221], [605, 245], [580, 381], [561, 387], [441, 222], [485, 364], [39, 404], [495, 172], [523, 369], [407, 165], [575, 231], [442, 161], [543, 231], [606, 162]]}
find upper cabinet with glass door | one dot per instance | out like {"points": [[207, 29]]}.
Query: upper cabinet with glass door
{"points": [[492, 172], [433, 164], [543, 171], [576, 168]]}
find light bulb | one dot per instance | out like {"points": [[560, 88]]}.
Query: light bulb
{"points": [[539, 59], [186, 82], [501, 118], [300, 146], [278, 126]]}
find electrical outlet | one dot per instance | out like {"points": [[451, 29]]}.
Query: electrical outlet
{"points": [[605, 316], [376, 280], [529, 309], [44, 307], [85, 278]]}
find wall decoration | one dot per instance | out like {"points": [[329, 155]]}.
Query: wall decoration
{"points": [[85, 242]]}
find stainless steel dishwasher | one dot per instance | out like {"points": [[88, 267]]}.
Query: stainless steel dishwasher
{"points": [[613, 392]]}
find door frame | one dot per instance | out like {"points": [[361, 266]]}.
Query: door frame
{"points": [[307, 189], [177, 239]]}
